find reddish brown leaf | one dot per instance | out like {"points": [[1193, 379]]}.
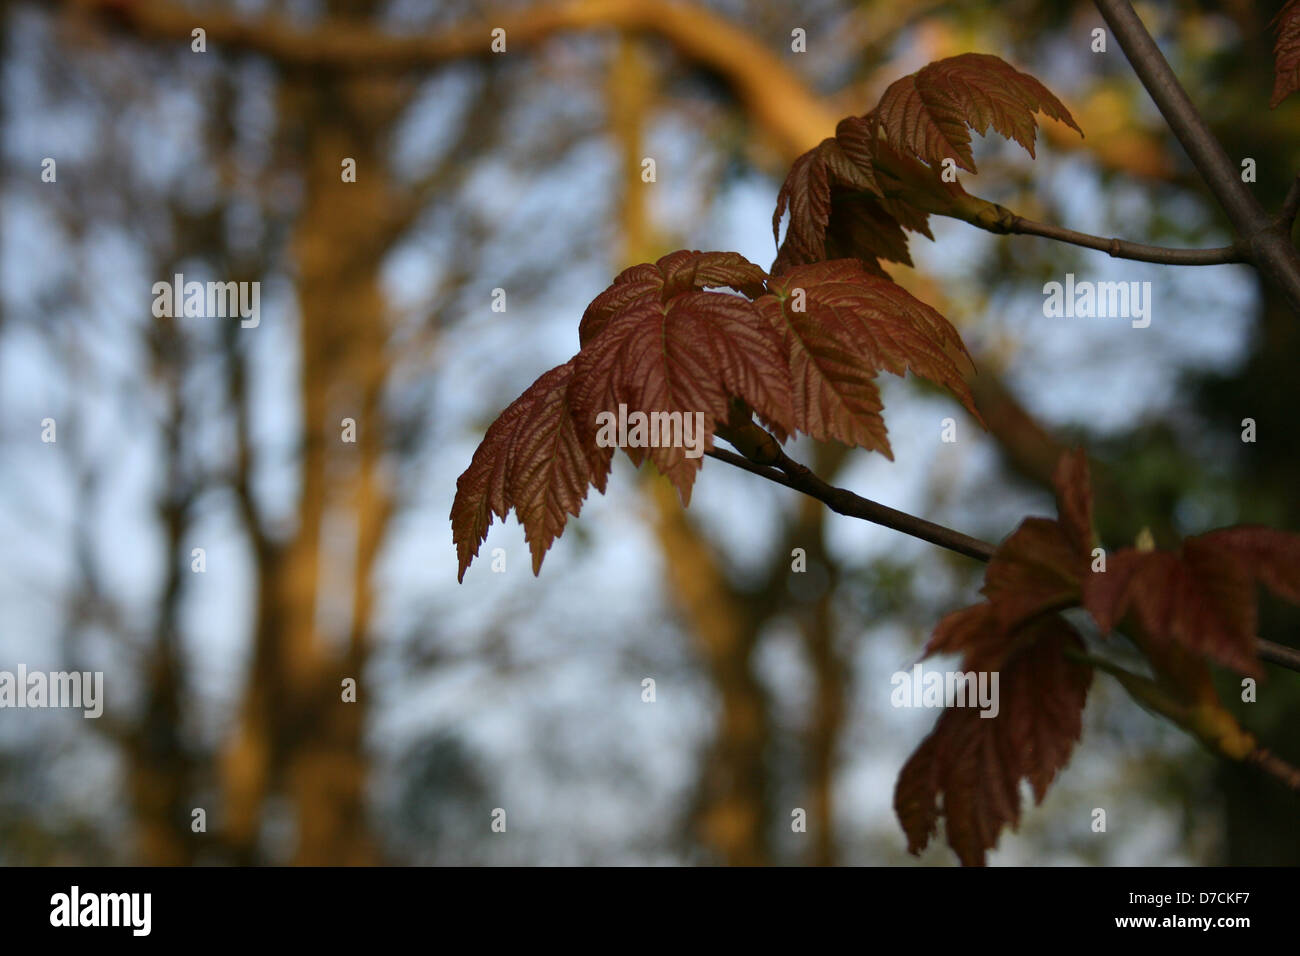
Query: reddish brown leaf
{"points": [[910, 188], [931, 112], [535, 459], [1286, 53], [974, 764], [853, 326], [859, 228], [1074, 499], [807, 193], [1105, 593], [1199, 597], [975, 634], [1271, 556], [1036, 569], [677, 272], [1039, 569], [690, 354], [851, 218]]}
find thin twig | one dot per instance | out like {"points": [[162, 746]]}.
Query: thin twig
{"points": [[1275, 766], [794, 475], [1123, 249], [1278, 654]]}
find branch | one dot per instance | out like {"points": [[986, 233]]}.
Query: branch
{"points": [[998, 219], [1290, 206], [1123, 249], [1267, 243], [773, 464], [1153, 697], [1278, 654], [1275, 766], [762, 455]]}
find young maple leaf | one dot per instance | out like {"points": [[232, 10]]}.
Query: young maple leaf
{"points": [[852, 218], [1040, 567], [1202, 596], [1286, 53], [1196, 598], [1037, 570], [976, 763], [846, 327], [930, 113], [681, 271], [807, 192], [535, 458], [692, 352]]}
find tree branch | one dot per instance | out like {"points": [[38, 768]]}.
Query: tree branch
{"points": [[1267, 243], [1278, 654], [771, 92], [1275, 766], [1123, 249], [773, 464], [1290, 206]]}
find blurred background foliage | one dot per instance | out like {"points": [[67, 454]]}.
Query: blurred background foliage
{"points": [[521, 171]]}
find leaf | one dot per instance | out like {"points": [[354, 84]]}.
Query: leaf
{"points": [[1035, 570], [677, 272], [973, 632], [1041, 566], [533, 459], [1286, 53], [1196, 598], [1202, 596], [807, 193], [1272, 556], [690, 354], [854, 325], [860, 228], [857, 213], [1038, 569], [1074, 498], [930, 113], [968, 770]]}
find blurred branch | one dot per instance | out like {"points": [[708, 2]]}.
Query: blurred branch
{"points": [[1276, 767], [1207, 721], [771, 93]]}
